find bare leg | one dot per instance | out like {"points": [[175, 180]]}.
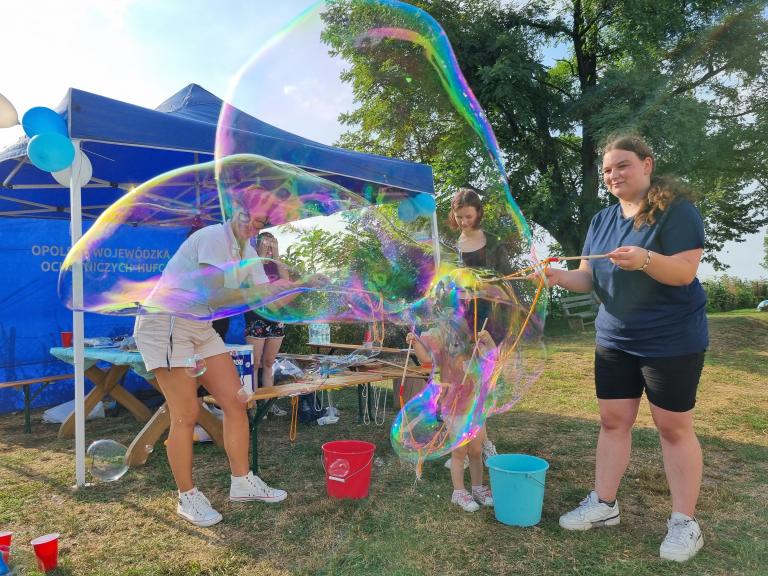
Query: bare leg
{"points": [[180, 391], [258, 350], [457, 467], [475, 451], [222, 382], [682, 457], [271, 348], [614, 444]]}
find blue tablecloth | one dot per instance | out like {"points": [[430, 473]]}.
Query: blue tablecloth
{"points": [[113, 356]]}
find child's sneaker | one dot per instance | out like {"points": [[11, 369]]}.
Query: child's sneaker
{"points": [[591, 513], [683, 540], [465, 500], [194, 507], [251, 487], [488, 450], [466, 462], [483, 496]]}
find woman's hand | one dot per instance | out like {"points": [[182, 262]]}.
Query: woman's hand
{"points": [[629, 257], [554, 276]]}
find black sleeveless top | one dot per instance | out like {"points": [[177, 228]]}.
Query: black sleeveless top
{"points": [[475, 259]]}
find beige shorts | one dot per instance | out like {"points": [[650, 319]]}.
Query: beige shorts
{"points": [[190, 337]]}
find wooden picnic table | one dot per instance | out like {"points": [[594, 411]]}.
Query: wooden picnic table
{"points": [[105, 381], [265, 397], [333, 347]]}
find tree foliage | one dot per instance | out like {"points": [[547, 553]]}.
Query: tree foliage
{"points": [[689, 75]]}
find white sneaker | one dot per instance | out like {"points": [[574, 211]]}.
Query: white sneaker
{"points": [[276, 410], [591, 513], [683, 540], [251, 487], [483, 496], [488, 450], [194, 507], [465, 500], [466, 463], [325, 420]]}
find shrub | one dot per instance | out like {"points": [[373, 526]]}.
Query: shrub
{"points": [[726, 293]]}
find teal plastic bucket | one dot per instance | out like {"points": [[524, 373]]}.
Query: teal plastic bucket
{"points": [[517, 483]]}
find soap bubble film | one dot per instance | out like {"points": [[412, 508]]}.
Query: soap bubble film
{"points": [[358, 248]]}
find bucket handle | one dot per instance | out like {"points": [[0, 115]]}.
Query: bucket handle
{"points": [[532, 477], [348, 476]]}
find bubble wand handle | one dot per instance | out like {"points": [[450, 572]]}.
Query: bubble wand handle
{"points": [[405, 364]]}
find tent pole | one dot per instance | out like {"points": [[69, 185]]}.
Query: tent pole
{"points": [[435, 240], [78, 325]]}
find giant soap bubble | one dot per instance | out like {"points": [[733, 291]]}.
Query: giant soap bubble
{"points": [[343, 64], [105, 460], [328, 79]]}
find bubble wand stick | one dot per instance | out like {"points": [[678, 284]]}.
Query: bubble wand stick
{"points": [[405, 364], [474, 351]]}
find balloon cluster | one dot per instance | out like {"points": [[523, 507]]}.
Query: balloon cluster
{"points": [[419, 205], [49, 148]]}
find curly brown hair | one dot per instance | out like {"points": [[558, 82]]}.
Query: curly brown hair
{"points": [[664, 190], [464, 197]]}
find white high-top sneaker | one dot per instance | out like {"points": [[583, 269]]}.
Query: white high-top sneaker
{"points": [[194, 507], [251, 487], [683, 540], [591, 513], [465, 500]]}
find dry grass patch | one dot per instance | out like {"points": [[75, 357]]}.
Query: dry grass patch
{"points": [[407, 527]]}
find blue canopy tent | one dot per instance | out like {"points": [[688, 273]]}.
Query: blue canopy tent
{"points": [[128, 144]]}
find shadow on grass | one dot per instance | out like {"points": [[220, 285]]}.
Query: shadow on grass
{"points": [[408, 526]]}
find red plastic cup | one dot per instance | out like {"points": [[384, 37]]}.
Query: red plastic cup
{"points": [[5, 538], [47, 551], [66, 339]]}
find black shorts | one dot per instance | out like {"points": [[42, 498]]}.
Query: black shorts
{"points": [[258, 327], [669, 382]]}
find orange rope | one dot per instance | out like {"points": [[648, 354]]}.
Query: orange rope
{"points": [[294, 418]]}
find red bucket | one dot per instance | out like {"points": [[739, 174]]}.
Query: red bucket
{"points": [[347, 466]]}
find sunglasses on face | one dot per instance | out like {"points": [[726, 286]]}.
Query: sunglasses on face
{"points": [[243, 217]]}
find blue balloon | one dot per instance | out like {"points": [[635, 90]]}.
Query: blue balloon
{"points": [[51, 152], [407, 211], [41, 120], [425, 204]]}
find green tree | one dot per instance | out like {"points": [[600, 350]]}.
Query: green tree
{"points": [[689, 75], [765, 252]]}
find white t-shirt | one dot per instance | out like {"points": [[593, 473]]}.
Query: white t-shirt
{"points": [[178, 290]]}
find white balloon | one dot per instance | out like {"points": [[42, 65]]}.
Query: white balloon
{"points": [[81, 166], [8, 115]]}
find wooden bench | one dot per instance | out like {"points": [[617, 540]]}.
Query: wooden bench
{"points": [[580, 310], [24, 385]]}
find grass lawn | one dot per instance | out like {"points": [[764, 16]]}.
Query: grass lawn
{"points": [[407, 527]]}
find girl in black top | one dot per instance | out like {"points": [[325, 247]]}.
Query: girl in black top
{"points": [[265, 335]]}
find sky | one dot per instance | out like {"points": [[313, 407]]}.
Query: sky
{"points": [[143, 51]]}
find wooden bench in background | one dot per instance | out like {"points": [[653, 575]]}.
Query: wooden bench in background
{"points": [[24, 385], [580, 310]]}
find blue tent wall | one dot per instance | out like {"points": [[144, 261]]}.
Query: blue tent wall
{"points": [[31, 314], [127, 145]]}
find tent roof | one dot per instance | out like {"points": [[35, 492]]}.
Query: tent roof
{"points": [[129, 144]]}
